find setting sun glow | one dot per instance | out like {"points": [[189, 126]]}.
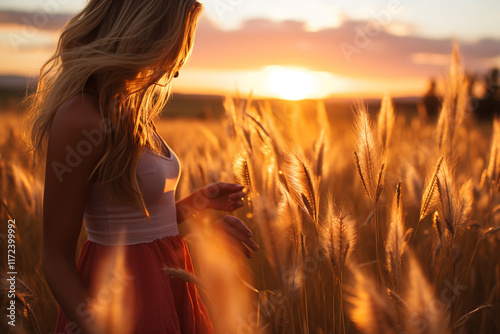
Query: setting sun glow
{"points": [[290, 83]]}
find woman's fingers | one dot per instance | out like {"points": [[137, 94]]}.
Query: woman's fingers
{"points": [[230, 187], [220, 189], [236, 200], [235, 205], [238, 224], [236, 196], [237, 229]]}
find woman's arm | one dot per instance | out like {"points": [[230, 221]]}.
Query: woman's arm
{"points": [[225, 197], [73, 151], [216, 196]]}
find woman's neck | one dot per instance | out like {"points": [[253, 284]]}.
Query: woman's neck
{"points": [[90, 86]]}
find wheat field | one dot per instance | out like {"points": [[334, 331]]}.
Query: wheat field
{"points": [[372, 223]]}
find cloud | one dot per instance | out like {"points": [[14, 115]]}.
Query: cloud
{"points": [[44, 20], [354, 49], [430, 58]]}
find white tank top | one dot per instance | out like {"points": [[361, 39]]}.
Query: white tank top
{"points": [[111, 222]]}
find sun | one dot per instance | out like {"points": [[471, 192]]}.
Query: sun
{"points": [[290, 83]]}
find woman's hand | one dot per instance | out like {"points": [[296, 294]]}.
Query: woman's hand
{"points": [[217, 196], [239, 234], [224, 196]]}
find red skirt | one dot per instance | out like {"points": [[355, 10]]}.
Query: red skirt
{"points": [[143, 298]]}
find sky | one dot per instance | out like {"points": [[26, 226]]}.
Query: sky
{"points": [[294, 49]]}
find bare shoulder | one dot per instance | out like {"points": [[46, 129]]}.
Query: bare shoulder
{"points": [[77, 132], [81, 109]]}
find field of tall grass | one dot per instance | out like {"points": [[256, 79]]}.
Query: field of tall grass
{"points": [[377, 223]]}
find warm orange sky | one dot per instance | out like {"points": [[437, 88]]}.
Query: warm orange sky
{"points": [[298, 52]]}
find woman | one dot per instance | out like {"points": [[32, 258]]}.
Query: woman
{"points": [[92, 119]]}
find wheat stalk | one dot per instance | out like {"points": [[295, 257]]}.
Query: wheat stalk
{"points": [[242, 172], [183, 275], [453, 204], [395, 243], [370, 162], [385, 124], [302, 182], [429, 190], [492, 173], [469, 315], [338, 237], [454, 110], [319, 152]]}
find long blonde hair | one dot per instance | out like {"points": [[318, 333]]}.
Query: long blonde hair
{"points": [[132, 50]]}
